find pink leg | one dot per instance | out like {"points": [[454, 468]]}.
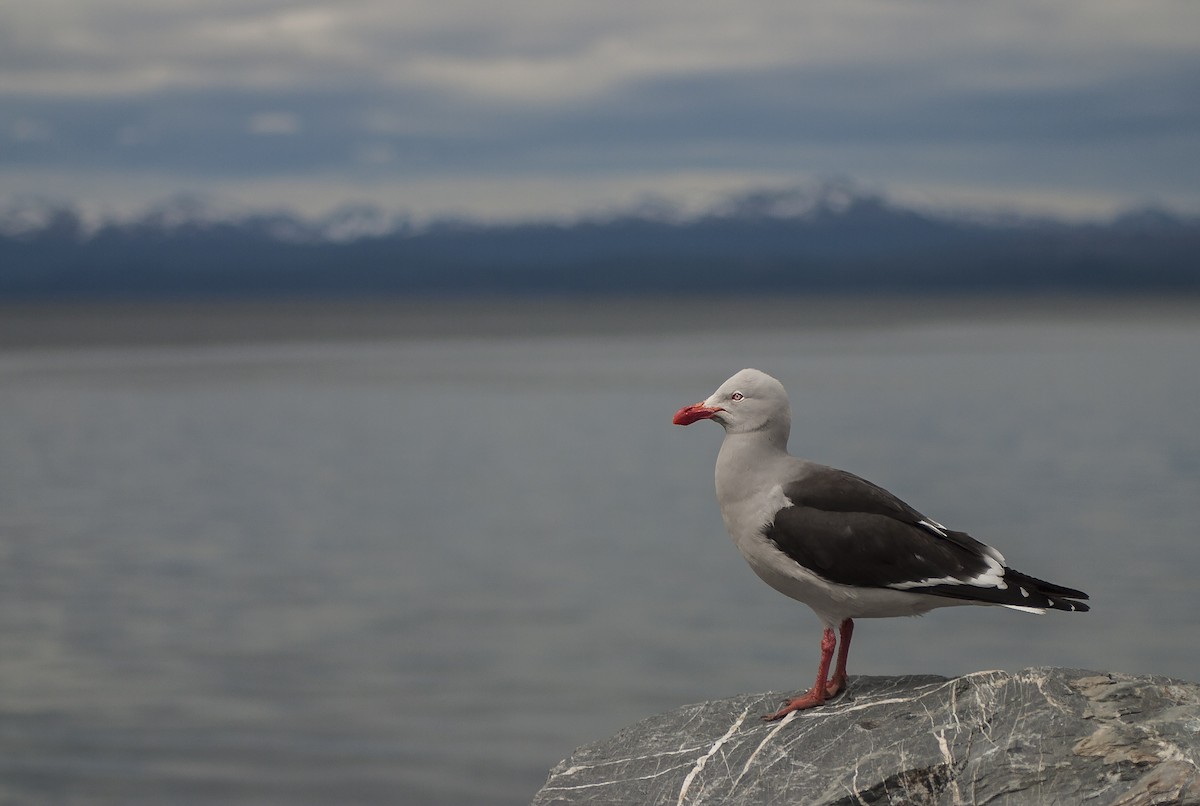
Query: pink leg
{"points": [[838, 683], [817, 694]]}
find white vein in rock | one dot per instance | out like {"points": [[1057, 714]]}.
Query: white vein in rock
{"points": [[578, 768], [761, 745], [700, 762], [615, 781]]}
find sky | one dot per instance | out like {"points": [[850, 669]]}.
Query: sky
{"points": [[507, 109]]}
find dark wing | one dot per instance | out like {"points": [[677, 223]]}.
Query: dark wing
{"points": [[833, 490], [852, 532]]}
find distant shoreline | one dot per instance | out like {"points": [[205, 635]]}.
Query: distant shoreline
{"points": [[38, 325]]}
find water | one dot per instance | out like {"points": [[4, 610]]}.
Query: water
{"points": [[422, 568]]}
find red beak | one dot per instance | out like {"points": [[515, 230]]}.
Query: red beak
{"points": [[690, 414]]}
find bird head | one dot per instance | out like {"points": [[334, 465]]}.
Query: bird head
{"points": [[749, 401]]}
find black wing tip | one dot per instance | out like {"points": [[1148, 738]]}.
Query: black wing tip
{"points": [[1068, 606], [1053, 597], [1021, 591], [1059, 590], [1055, 593]]}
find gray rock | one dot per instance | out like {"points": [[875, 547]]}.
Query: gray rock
{"points": [[1041, 736]]}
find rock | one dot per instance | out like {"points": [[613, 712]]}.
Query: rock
{"points": [[1043, 735]]}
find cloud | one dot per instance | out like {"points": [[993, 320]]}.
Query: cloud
{"points": [[1071, 98], [29, 130], [377, 154], [273, 123], [546, 51]]}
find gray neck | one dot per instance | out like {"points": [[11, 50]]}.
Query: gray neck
{"points": [[747, 460]]}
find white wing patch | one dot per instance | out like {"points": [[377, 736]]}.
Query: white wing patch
{"points": [[1037, 611], [990, 577], [934, 527], [925, 583]]}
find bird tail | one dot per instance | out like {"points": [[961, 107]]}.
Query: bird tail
{"points": [[1021, 592], [1043, 595]]}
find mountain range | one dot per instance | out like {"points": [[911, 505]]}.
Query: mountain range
{"points": [[834, 238]]}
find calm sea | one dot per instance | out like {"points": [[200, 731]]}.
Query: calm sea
{"points": [[420, 563]]}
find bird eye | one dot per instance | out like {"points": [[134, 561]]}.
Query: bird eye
{"points": [[736, 396]]}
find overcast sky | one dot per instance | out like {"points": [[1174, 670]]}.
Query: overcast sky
{"points": [[507, 108]]}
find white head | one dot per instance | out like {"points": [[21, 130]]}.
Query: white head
{"points": [[749, 401]]}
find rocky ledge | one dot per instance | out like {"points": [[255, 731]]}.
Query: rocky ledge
{"points": [[1043, 735]]}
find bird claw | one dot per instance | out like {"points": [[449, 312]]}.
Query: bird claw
{"points": [[808, 700]]}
